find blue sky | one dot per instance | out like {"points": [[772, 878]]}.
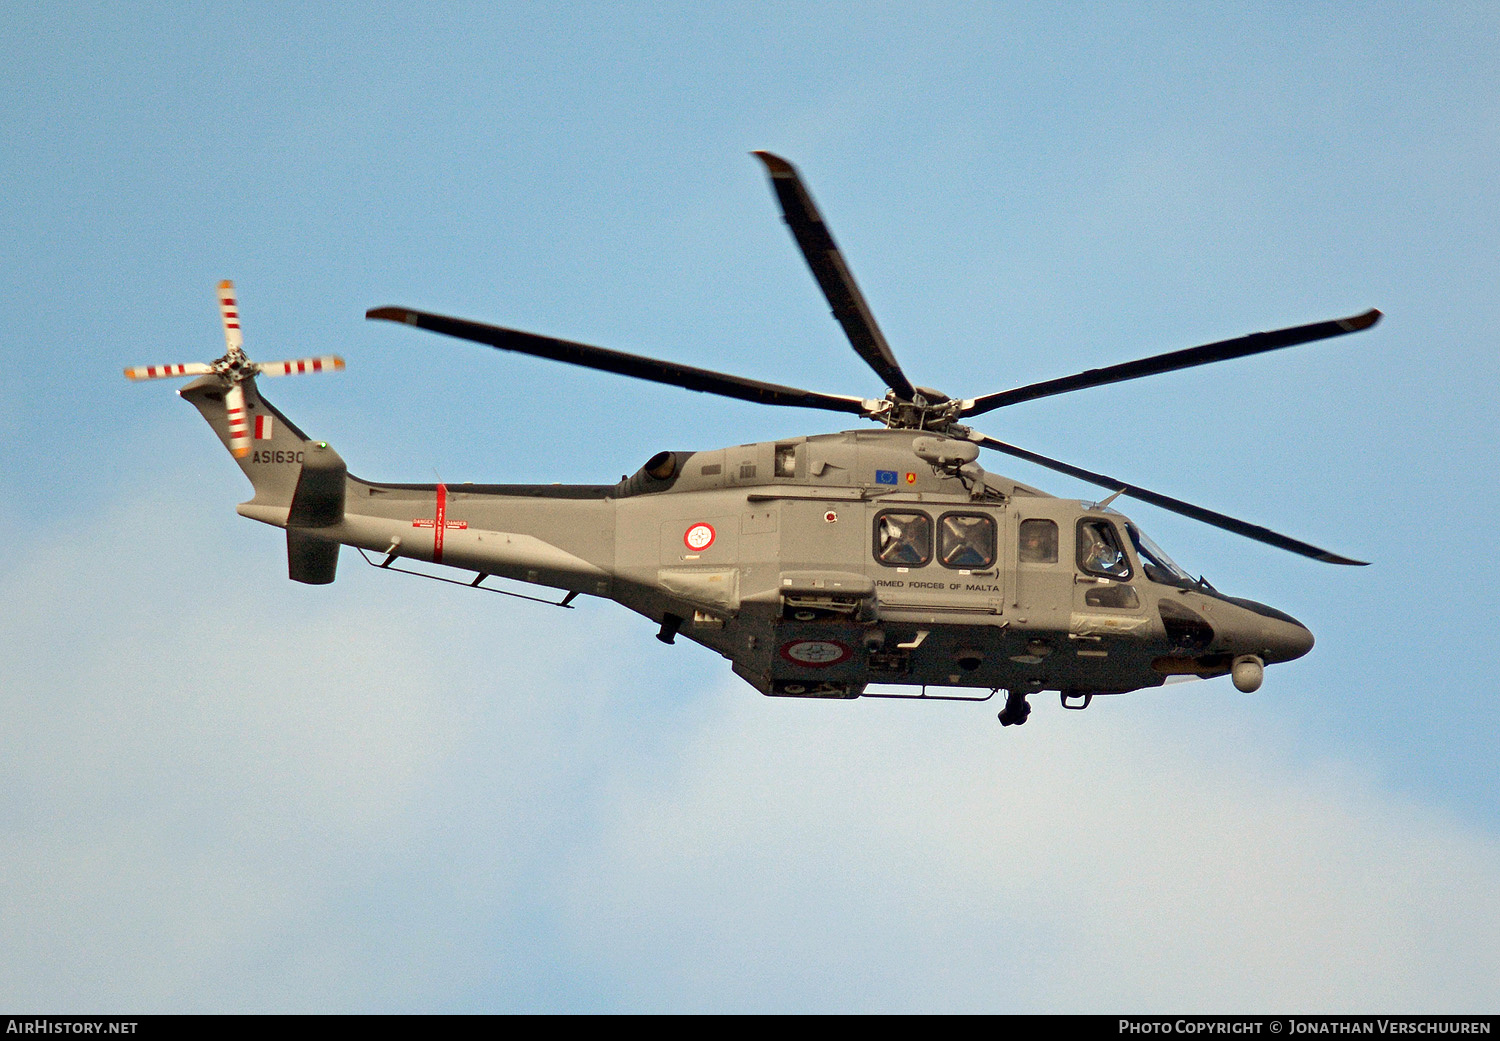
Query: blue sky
{"points": [[224, 791]]}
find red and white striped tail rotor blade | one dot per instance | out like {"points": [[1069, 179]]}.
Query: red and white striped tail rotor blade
{"points": [[239, 421], [157, 372], [229, 310], [327, 363]]}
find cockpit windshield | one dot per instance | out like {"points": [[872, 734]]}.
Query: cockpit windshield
{"points": [[1154, 561]]}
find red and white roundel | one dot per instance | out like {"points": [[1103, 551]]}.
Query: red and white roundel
{"points": [[699, 537], [816, 654]]}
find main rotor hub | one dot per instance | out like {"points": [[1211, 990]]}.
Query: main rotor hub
{"points": [[928, 409]]}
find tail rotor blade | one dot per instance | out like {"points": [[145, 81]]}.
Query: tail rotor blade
{"points": [[229, 310], [157, 372], [239, 421], [326, 363]]}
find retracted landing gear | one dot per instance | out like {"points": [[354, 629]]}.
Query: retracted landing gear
{"points": [[670, 625], [1016, 708]]}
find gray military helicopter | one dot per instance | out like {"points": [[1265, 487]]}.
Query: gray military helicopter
{"points": [[817, 565]]}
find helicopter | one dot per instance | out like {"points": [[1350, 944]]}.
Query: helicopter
{"points": [[816, 565]]}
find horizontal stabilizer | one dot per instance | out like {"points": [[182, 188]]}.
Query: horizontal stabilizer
{"points": [[309, 558]]}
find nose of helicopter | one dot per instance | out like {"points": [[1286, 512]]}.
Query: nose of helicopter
{"points": [[1287, 640], [1277, 635]]}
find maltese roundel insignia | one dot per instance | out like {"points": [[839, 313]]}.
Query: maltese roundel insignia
{"points": [[816, 654], [699, 537]]}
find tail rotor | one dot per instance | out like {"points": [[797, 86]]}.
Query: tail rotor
{"points": [[234, 369]]}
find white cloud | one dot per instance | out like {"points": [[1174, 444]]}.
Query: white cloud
{"points": [[207, 769], [860, 858]]}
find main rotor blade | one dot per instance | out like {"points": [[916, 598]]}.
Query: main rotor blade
{"points": [[1187, 509], [1255, 343], [833, 274], [625, 364]]}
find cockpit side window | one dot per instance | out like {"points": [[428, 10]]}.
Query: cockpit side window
{"points": [[1038, 542], [903, 539], [1100, 551], [1154, 561], [966, 541]]}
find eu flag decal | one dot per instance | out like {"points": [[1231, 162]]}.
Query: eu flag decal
{"points": [[885, 476]]}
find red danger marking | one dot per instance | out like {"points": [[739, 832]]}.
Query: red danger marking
{"points": [[816, 654], [699, 537], [439, 523]]}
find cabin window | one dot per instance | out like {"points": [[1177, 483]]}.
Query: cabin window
{"points": [[1038, 542], [902, 538], [1100, 551], [1112, 596], [786, 460], [966, 540]]}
